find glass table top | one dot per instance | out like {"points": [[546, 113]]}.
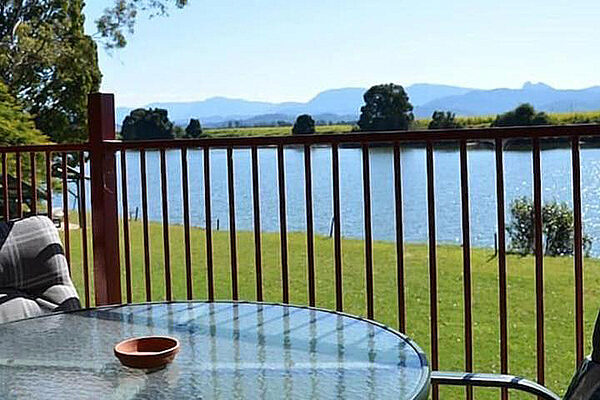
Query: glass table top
{"points": [[228, 351]]}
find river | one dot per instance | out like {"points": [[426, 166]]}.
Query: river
{"points": [[556, 185]]}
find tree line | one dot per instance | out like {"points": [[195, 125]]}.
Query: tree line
{"points": [[386, 108]]}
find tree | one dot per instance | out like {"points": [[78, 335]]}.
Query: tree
{"points": [[444, 120], [142, 124], [557, 228], [194, 129], [523, 115], [49, 64], [178, 132], [119, 20], [304, 125], [386, 108], [16, 126]]}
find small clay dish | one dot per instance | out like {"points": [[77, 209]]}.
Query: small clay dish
{"points": [[147, 352]]}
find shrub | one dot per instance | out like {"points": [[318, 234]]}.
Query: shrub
{"points": [[304, 125], [523, 115], [444, 120], [557, 228], [193, 130]]}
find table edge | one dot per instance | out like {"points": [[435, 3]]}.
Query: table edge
{"points": [[424, 382]]}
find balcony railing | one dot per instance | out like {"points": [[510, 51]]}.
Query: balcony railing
{"points": [[113, 258]]}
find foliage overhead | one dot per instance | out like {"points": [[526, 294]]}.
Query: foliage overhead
{"points": [[142, 124], [16, 126], [119, 20], [49, 64], [523, 115], [444, 120], [193, 130], [386, 108], [304, 125], [557, 228]]}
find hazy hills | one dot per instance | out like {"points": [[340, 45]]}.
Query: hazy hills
{"points": [[344, 104]]}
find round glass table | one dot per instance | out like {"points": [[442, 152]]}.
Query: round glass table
{"points": [[229, 350]]}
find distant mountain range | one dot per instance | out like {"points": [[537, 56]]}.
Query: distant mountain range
{"points": [[344, 104]]}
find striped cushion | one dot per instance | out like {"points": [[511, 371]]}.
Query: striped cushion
{"points": [[34, 275], [585, 384]]}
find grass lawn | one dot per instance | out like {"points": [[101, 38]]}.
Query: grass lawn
{"points": [[559, 293]]}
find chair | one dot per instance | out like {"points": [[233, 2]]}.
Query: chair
{"points": [[34, 275], [585, 384]]}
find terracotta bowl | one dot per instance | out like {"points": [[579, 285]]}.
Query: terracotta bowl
{"points": [[147, 351]]}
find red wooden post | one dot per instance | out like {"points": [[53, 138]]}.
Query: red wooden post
{"points": [[105, 223]]}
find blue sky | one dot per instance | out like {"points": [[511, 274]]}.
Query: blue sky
{"points": [[289, 50]]}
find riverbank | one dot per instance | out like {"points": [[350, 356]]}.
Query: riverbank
{"points": [[484, 121], [521, 291]]}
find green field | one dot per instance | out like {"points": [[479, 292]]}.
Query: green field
{"points": [[559, 303], [272, 131], [422, 123]]}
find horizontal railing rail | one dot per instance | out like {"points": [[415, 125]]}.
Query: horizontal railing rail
{"points": [[110, 166], [42, 148]]}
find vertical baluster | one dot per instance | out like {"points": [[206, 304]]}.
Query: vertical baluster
{"points": [[433, 299], [165, 221], [464, 184], [502, 284], [65, 200], [283, 224], [232, 234], [337, 234], [126, 244], [19, 186], [49, 184], [578, 246], [84, 237], [399, 240], [310, 249], [207, 213], [368, 235], [34, 198], [6, 207], [256, 208], [145, 225], [539, 259], [186, 223]]}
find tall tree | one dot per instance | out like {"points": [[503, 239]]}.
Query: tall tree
{"points": [[142, 124], [49, 63], [16, 126], [193, 130], [119, 20], [386, 108]]}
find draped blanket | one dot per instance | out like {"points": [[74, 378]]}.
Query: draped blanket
{"points": [[34, 275]]}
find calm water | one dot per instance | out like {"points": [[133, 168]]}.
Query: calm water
{"points": [[556, 182]]}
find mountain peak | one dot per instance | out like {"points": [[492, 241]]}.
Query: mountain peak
{"points": [[536, 86]]}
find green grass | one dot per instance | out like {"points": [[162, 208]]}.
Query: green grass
{"points": [[272, 131], [559, 304]]}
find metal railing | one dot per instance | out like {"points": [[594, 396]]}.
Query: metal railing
{"points": [[102, 151]]}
